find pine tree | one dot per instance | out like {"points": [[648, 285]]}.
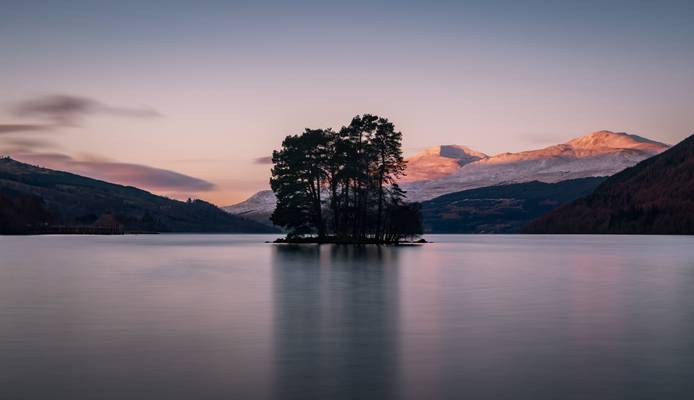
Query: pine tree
{"points": [[344, 184]]}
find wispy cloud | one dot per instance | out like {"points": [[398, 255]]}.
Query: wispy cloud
{"points": [[263, 160], [539, 138], [13, 128], [65, 109], [143, 176], [26, 144]]}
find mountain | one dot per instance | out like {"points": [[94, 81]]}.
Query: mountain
{"points": [[502, 208], [37, 200], [656, 196], [447, 169], [600, 153], [257, 208], [440, 161]]}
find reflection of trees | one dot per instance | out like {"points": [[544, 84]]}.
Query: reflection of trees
{"points": [[335, 321]]}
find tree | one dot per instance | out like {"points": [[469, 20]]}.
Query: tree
{"points": [[342, 184], [297, 176], [405, 221], [389, 164]]}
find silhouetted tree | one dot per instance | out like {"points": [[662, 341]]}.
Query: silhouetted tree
{"points": [[297, 180], [389, 165], [405, 220], [343, 183], [21, 214]]}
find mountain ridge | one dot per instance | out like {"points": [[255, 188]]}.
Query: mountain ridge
{"points": [[36, 200], [655, 196], [600, 153], [439, 161]]}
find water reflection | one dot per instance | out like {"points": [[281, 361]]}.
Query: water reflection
{"points": [[336, 320], [230, 317]]}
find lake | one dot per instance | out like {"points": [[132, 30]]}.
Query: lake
{"points": [[231, 317]]}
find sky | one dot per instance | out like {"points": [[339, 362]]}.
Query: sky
{"points": [[187, 99]]}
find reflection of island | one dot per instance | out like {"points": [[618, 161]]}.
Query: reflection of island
{"points": [[335, 321]]}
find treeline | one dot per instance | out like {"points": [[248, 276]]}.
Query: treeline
{"points": [[342, 185], [21, 214]]}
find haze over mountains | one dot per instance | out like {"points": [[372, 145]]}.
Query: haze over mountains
{"points": [[453, 168]]}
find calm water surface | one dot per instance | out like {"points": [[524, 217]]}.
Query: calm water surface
{"points": [[230, 317]]}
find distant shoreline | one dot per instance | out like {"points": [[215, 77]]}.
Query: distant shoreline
{"points": [[77, 232]]}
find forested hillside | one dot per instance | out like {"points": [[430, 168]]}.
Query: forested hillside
{"points": [[39, 200], [502, 208], [655, 196]]}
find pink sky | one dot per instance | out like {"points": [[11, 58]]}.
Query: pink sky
{"points": [[185, 104]]}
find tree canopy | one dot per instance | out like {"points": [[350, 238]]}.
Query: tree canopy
{"points": [[343, 184]]}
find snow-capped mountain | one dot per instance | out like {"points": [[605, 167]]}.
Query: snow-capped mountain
{"points": [[258, 207], [452, 168], [440, 161], [600, 153]]}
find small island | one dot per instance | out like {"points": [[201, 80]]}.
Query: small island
{"points": [[341, 186]]}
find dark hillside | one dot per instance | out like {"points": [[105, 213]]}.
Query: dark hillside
{"points": [[32, 199], [655, 196], [501, 208]]}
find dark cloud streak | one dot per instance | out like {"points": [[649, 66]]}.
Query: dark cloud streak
{"points": [[64, 109], [146, 176], [27, 144], [263, 160], [68, 110], [12, 128], [138, 175]]}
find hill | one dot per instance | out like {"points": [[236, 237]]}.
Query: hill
{"points": [[38, 200], [502, 208], [655, 196]]}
